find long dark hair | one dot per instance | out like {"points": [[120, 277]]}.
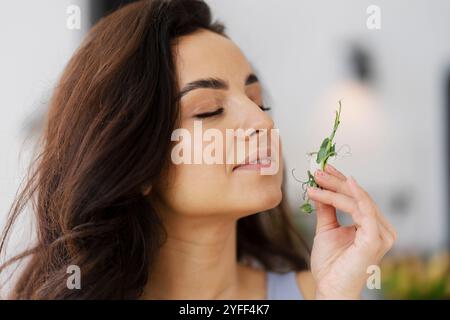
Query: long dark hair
{"points": [[107, 136]]}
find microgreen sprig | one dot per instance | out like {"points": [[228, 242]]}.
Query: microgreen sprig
{"points": [[326, 151]]}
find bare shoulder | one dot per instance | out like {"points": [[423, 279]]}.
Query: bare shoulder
{"points": [[306, 283]]}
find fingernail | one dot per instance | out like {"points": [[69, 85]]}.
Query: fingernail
{"points": [[320, 173]]}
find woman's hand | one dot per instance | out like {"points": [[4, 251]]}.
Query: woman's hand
{"points": [[341, 254]]}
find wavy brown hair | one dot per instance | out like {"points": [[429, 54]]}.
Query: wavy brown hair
{"points": [[107, 136]]}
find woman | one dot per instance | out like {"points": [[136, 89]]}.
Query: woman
{"points": [[110, 200]]}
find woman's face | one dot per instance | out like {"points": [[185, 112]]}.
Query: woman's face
{"points": [[228, 99]]}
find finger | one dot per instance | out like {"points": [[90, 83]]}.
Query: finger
{"points": [[336, 184], [335, 172], [387, 232], [326, 217], [389, 227], [334, 180], [366, 201], [331, 182], [368, 238], [387, 239], [337, 200]]}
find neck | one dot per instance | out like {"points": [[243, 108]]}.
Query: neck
{"points": [[197, 261]]}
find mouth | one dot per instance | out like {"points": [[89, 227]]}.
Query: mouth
{"points": [[258, 164]]}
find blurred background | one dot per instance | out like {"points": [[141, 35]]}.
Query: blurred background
{"points": [[388, 60]]}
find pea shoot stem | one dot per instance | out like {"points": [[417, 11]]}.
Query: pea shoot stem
{"points": [[327, 150]]}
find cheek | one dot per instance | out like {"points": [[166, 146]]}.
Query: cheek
{"points": [[196, 189]]}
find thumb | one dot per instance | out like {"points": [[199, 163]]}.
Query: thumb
{"points": [[326, 217]]}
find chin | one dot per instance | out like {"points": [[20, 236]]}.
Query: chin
{"points": [[269, 199], [259, 200]]}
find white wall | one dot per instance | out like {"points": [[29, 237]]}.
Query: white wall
{"points": [[395, 129], [35, 46]]}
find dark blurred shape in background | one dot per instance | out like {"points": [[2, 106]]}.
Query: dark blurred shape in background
{"points": [[101, 8], [361, 63]]}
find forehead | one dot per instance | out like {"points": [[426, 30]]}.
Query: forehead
{"points": [[205, 54]]}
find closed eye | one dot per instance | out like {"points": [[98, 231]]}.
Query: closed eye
{"points": [[220, 111], [210, 114]]}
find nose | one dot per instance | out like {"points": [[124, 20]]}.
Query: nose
{"points": [[254, 118], [260, 135]]}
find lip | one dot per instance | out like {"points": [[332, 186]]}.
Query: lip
{"points": [[261, 162]]}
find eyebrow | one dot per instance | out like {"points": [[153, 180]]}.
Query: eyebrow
{"points": [[213, 83]]}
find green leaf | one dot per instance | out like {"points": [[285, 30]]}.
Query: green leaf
{"points": [[323, 150], [324, 143], [327, 150], [333, 148], [306, 208], [311, 181]]}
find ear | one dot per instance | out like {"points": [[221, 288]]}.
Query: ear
{"points": [[146, 190]]}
